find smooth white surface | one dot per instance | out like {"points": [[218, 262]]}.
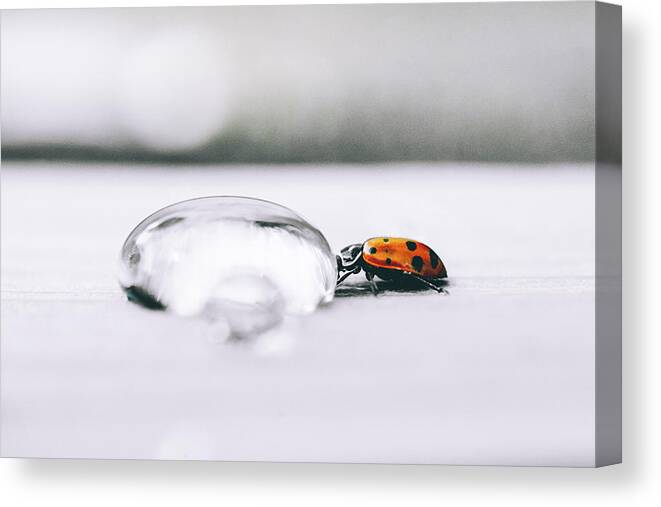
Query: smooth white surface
{"points": [[501, 371], [55, 482]]}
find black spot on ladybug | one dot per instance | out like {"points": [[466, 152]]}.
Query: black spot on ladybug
{"points": [[433, 258], [411, 245], [385, 240], [372, 250], [388, 260], [417, 263]]}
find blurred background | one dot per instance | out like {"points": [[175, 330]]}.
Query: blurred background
{"points": [[452, 82]]}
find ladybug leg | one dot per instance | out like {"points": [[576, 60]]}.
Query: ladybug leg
{"points": [[347, 275], [370, 279], [430, 284], [344, 277]]}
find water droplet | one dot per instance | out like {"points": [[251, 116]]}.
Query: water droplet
{"points": [[243, 261]]}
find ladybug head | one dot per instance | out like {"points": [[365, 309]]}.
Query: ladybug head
{"points": [[349, 258]]}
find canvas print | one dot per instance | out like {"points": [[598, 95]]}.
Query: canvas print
{"points": [[325, 233]]}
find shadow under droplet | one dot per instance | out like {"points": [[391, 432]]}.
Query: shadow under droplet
{"points": [[384, 287], [140, 296]]}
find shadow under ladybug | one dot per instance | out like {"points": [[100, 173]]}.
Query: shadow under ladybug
{"points": [[404, 263]]}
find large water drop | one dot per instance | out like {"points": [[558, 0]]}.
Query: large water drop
{"points": [[245, 261]]}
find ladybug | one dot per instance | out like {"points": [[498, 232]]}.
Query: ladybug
{"points": [[392, 259]]}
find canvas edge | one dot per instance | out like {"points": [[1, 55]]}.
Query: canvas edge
{"points": [[608, 234]]}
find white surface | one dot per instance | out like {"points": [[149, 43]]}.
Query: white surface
{"points": [[109, 483], [501, 371]]}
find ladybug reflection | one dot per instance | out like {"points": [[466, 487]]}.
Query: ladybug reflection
{"points": [[392, 259]]}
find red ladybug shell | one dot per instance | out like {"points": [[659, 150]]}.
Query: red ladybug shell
{"points": [[403, 254]]}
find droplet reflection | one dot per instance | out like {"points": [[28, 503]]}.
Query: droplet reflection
{"points": [[243, 263]]}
